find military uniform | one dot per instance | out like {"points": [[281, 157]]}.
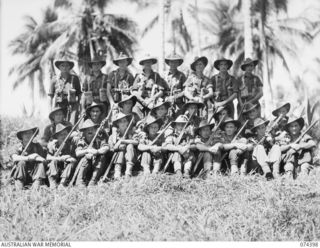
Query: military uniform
{"points": [[120, 84]]}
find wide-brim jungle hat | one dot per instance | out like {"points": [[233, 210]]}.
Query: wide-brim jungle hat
{"points": [[200, 105], [230, 120], [122, 56], [294, 118], [97, 59], [60, 128], [258, 122], [24, 129], [204, 60], [148, 57], [249, 106], [150, 120], [248, 61], [279, 106], [180, 119], [174, 57], [158, 105], [61, 60], [101, 106], [203, 123], [127, 98], [55, 110], [120, 116], [217, 62], [88, 123]]}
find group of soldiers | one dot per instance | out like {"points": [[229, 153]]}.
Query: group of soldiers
{"points": [[116, 125]]}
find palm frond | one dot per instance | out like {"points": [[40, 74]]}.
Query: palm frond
{"points": [[150, 26]]}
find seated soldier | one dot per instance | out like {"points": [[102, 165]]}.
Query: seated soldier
{"points": [[62, 165], [298, 155], [225, 86], [209, 146], [94, 87], [151, 148], [148, 86], [250, 113], [175, 80], [221, 112], [193, 108], [91, 154], [29, 165], [161, 111], [266, 154], [283, 109], [56, 116], [95, 112], [123, 146], [233, 151], [126, 107], [251, 88], [180, 149]]}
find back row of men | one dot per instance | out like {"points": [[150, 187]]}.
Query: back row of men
{"points": [[182, 125]]}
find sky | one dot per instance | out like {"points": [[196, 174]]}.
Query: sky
{"points": [[13, 11]]}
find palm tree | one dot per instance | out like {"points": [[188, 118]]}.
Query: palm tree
{"points": [[31, 69]]}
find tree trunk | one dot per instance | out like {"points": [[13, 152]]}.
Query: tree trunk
{"points": [[162, 35], [247, 15]]}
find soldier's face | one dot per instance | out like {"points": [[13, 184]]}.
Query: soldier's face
{"points": [[294, 128], [205, 132], [153, 129], [161, 111], [127, 106], [193, 109], [283, 111], [199, 66], [253, 114], [179, 126], [95, 114], [261, 130], [64, 67], [96, 66], [173, 64], [89, 133], [58, 117], [61, 136], [123, 64], [147, 64], [249, 68], [223, 66], [26, 136], [230, 129], [223, 113], [123, 124]]}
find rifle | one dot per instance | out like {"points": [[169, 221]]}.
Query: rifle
{"points": [[207, 143], [30, 141], [271, 127], [57, 153], [292, 151], [178, 142], [116, 154]]}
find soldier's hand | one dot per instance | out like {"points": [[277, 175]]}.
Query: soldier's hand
{"points": [[155, 149], [249, 147], [117, 145], [170, 99], [40, 159], [89, 156], [33, 156], [64, 157], [295, 147], [214, 149], [183, 150], [93, 151], [242, 146]]}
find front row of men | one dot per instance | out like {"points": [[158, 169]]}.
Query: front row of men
{"points": [[100, 148]]}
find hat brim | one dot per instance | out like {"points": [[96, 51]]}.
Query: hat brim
{"points": [[208, 125], [99, 105], [102, 62], [68, 128], [245, 111], [254, 62], [52, 113], [217, 62], [116, 61], [153, 61], [132, 97], [299, 120], [235, 122], [159, 121], [84, 128], [156, 107], [128, 117], [287, 106], [199, 104], [19, 133], [59, 62], [262, 123], [203, 59], [180, 61]]}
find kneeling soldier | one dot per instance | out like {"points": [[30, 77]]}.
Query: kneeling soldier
{"points": [[92, 153], [298, 149], [29, 162], [151, 148], [62, 166], [123, 144]]}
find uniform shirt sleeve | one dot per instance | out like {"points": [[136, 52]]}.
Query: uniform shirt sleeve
{"points": [[47, 133], [76, 84], [52, 87], [258, 81], [235, 84]]}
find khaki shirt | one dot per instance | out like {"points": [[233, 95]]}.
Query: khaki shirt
{"points": [[224, 87], [194, 84], [60, 87], [249, 86], [95, 83]]}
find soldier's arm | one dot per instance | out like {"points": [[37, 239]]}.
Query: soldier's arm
{"points": [[109, 95], [144, 147], [307, 145], [257, 96], [229, 146], [229, 99], [129, 141], [103, 149]]}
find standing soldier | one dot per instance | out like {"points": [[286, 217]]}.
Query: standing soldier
{"points": [[29, 162], [225, 86], [198, 87], [175, 80], [251, 88], [61, 166], [298, 155], [148, 86], [65, 90], [94, 87], [120, 80]]}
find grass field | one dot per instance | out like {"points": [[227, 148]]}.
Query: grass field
{"points": [[167, 208], [162, 208]]}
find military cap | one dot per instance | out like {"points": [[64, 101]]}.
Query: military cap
{"points": [[258, 122], [203, 123], [279, 106], [293, 119], [230, 120], [55, 110], [248, 61], [24, 129], [174, 57], [63, 59], [217, 62], [122, 56], [148, 57], [101, 106], [88, 123], [196, 59], [97, 59], [127, 98], [60, 128]]}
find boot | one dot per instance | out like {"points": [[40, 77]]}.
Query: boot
{"points": [[19, 184], [36, 184], [178, 173], [234, 170], [146, 170], [269, 176], [129, 167], [156, 168], [52, 182], [117, 171]]}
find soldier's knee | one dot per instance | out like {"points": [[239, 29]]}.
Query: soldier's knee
{"points": [[288, 167]]}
